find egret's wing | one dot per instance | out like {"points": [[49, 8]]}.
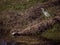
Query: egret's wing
{"points": [[47, 14]]}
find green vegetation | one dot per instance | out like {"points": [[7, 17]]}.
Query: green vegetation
{"points": [[53, 33], [52, 13], [17, 4]]}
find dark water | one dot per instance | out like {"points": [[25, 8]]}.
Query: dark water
{"points": [[2, 42]]}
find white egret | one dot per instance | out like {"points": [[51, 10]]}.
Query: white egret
{"points": [[45, 12]]}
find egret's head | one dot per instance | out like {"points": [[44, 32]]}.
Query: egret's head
{"points": [[42, 9]]}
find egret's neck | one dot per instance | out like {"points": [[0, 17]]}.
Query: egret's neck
{"points": [[42, 9]]}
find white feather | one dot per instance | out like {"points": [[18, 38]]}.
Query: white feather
{"points": [[45, 12], [13, 33]]}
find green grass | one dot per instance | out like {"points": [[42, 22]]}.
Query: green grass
{"points": [[53, 33], [17, 4]]}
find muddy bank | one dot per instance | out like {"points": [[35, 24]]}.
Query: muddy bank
{"points": [[40, 27]]}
